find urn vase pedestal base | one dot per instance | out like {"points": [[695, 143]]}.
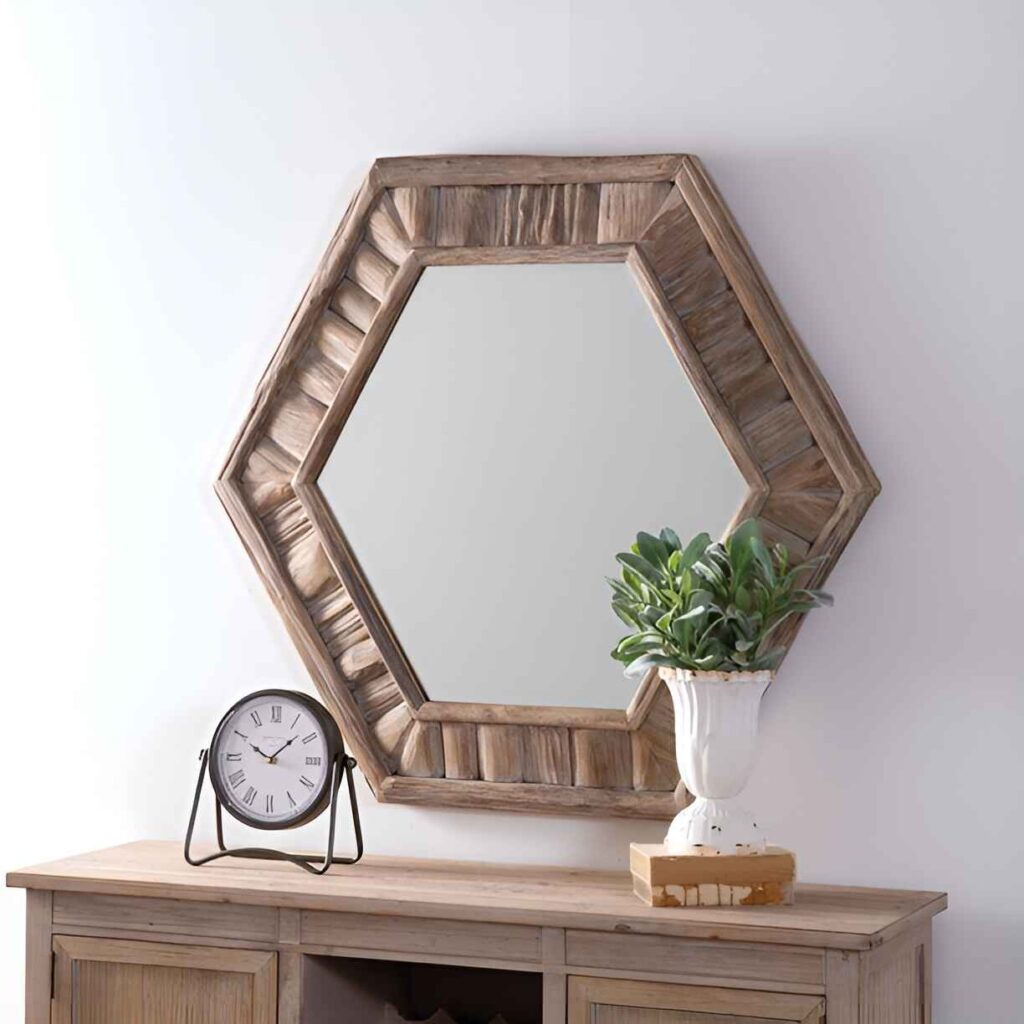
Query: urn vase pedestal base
{"points": [[665, 879]]}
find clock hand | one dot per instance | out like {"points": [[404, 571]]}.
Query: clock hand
{"points": [[273, 756], [269, 757]]}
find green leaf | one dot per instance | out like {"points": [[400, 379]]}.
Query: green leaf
{"points": [[747, 531], [694, 613], [695, 549], [625, 612], [620, 588], [671, 538], [763, 559], [652, 549], [641, 666], [640, 566]]}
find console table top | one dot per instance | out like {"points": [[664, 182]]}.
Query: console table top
{"points": [[823, 916]]}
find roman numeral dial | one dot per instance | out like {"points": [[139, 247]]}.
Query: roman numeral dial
{"points": [[272, 759]]}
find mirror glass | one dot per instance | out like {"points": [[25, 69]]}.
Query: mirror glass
{"points": [[522, 424]]}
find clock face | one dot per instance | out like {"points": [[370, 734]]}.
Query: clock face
{"points": [[272, 757]]}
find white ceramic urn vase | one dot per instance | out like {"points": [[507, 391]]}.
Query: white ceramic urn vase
{"points": [[716, 717]]}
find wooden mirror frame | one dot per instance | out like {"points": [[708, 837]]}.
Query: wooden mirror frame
{"points": [[809, 482]]}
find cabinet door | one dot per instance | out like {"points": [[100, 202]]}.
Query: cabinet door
{"points": [[614, 1001], [108, 981]]}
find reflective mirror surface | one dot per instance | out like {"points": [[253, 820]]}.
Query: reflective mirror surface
{"points": [[521, 425]]}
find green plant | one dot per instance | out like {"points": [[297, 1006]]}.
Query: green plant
{"points": [[708, 606]]}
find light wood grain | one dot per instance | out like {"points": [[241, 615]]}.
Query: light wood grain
{"points": [[422, 753], [386, 230], [124, 913], [652, 953], [523, 714], [411, 935], [38, 929], [418, 171], [895, 981], [289, 987], [842, 986], [462, 255], [603, 759], [417, 211], [808, 480], [500, 751], [654, 745], [460, 750], [822, 917], [104, 980], [627, 208], [547, 757], [532, 798], [467, 215], [588, 994], [740, 447]]}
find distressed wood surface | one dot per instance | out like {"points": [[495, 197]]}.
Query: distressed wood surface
{"points": [[808, 480], [38, 961], [99, 980], [822, 917], [625, 1001]]}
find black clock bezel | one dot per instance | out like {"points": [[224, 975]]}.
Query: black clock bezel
{"points": [[332, 740]]}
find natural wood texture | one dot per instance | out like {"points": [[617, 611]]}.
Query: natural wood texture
{"points": [[823, 917], [842, 986], [664, 879], [547, 758], [289, 987], [711, 960], [38, 960], [808, 479], [524, 714], [460, 750], [419, 171], [500, 749], [602, 759], [121, 913], [654, 744], [614, 1001], [895, 981], [557, 944], [478, 940], [533, 798], [103, 980]]}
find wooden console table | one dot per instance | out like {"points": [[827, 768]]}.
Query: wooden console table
{"points": [[132, 935]]}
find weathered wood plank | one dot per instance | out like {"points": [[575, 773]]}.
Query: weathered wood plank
{"points": [[602, 758], [500, 752], [547, 757], [627, 208], [460, 751]]}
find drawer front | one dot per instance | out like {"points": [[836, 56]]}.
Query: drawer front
{"points": [[471, 939], [72, 910], [617, 1001], [656, 954]]}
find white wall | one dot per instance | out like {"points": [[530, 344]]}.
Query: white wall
{"points": [[170, 176]]}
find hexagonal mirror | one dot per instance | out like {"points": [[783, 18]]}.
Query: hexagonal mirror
{"points": [[521, 424], [480, 399]]}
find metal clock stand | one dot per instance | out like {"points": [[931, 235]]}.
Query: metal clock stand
{"points": [[342, 766]]}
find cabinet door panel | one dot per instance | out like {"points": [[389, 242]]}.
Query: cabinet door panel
{"points": [[106, 981], [643, 1015], [615, 1001]]}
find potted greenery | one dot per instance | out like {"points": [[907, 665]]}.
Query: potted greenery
{"points": [[705, 617]]}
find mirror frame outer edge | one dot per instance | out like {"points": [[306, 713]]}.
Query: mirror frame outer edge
{"points": [[809, 482]]}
